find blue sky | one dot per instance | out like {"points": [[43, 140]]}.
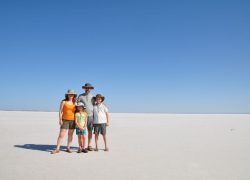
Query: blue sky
{"points": [[144, 56]]}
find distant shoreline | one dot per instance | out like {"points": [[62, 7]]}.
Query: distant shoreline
{"points": [[16, 110]]}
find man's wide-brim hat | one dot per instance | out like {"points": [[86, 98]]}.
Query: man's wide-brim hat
{"points": [[88, 86], [99, 95], [70, 91]]}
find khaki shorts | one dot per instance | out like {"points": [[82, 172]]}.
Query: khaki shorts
{"points": [[90, 123], [68, 124]]}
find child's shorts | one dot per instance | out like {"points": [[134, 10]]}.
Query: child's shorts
{"points": [[100, 128], [79, 132]]}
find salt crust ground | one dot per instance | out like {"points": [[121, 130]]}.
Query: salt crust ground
{"points": [[142, 146]]}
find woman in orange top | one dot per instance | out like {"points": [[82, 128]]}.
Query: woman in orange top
{"points": [[66, 120]]}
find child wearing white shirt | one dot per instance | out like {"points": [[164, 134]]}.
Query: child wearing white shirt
{"points": [[101, 120]]}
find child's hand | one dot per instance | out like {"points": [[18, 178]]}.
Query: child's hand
{"points": [[81, 129], [107, 124]]}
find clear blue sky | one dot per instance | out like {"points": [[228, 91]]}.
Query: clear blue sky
{"points": [[144, 56]]}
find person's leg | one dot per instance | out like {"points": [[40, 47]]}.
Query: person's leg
{"points": [[105, 142], [89, 138], [84, 149], [59, 140], [84, 141], [70, 138], [78, 133], [90, 132], [103, 132], [96, 141], [80, 141]]}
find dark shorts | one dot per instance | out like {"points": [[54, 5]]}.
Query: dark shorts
{"points": [[68, 124], [100, 128], [90, 123]]}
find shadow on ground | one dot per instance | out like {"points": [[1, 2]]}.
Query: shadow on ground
{"points": [[41, 147]]}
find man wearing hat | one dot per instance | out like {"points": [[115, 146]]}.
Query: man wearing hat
{"points": [[88, 100]]}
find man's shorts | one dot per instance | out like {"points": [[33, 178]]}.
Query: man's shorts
{"points": [[90, 123], [68, 124], [100, 128], [79, 132]]}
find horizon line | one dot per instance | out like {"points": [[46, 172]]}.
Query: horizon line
{"points": [[32, 110]]}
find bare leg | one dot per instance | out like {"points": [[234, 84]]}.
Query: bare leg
{"points": [[80, 141], [105, 142], [89, 138], [96, 141], [70, 137], [60, 138], [84, 141]]}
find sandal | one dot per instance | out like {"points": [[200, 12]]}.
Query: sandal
{"points": [[79, 150], [84, 150], [96, 149], [106, 149], [90, 148], [55, 151], [69, 151]]}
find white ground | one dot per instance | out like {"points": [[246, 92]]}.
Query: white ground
{"points": [[142, 146]]}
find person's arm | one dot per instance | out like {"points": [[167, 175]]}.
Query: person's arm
{"points": [[86, 122], [79, 99], [61, 113], [107, 116], [93, 101], [77, 125]]}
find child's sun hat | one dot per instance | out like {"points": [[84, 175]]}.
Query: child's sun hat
{"points": [[99, 95], [80, 104]]}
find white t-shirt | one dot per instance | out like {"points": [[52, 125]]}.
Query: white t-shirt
{"points": [[100, 114]]}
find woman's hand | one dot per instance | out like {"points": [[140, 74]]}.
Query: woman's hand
{"points": [[60, 122]]}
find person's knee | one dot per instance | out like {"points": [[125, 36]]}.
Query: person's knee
{"points": [[61, 136], [70, 132]]}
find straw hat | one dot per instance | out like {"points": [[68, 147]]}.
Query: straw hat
{"points": [[70, 91], [88, 85], [99, 95]]}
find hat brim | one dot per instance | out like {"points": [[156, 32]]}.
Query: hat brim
{"points": [[81, 106], [103, 98], [70, 93], [89, 87]]}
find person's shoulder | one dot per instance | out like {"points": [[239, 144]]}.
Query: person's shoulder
{"points": [[62, 102], [81, 95], [104, 105]]}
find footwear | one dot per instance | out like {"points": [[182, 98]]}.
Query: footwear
{"points": [[84, 150], [55, 151], [106, 149], [69, 151], [96, 149], [90, 148], [79, 150]]}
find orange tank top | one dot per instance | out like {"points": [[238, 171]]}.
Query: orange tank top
{"points": [[68, 111]]}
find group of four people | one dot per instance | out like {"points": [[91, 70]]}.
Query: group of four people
{"points": [[86, 114]]}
